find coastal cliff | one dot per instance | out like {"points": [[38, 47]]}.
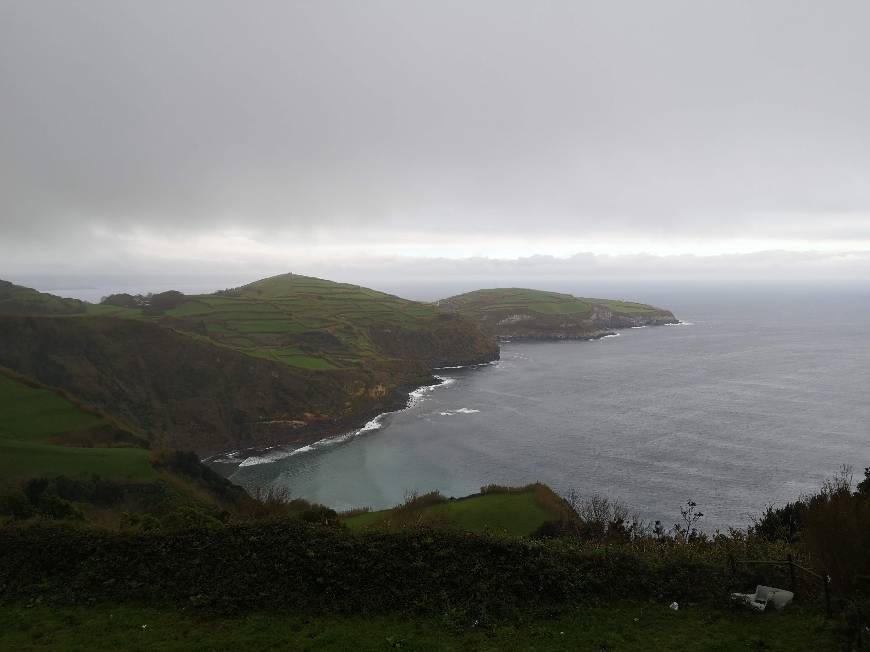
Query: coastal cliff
{"points": [[281, 361]]}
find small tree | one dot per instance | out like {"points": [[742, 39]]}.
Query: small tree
{"points": [[690, 516]]}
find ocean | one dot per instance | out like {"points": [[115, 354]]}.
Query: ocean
{"points": [[756, 398]]}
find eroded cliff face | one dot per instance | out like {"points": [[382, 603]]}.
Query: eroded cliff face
{"points": [[450, 340], [188, 393], [547, 327], [607, 319]]}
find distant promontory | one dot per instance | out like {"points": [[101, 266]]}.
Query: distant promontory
{"points": [[519, 313]]}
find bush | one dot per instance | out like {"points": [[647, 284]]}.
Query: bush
{"points": [[832, 525], [592, 518], [276, 502], [16, 505]]}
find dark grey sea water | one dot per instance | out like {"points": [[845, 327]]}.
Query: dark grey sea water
{"points": [[758, 398]]}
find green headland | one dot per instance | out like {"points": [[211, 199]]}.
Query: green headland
{"points": [[519, 313]]}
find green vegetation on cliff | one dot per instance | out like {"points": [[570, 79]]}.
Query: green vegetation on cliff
{"points": [[535, 314]]}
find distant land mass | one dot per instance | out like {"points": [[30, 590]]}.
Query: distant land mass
{"points": [[520, 313], [284, 360]]}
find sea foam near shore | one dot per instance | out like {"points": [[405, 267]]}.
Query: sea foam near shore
{"points": [[279, 453]]}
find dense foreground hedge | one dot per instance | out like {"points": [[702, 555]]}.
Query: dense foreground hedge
{"points": [[300, 565]]}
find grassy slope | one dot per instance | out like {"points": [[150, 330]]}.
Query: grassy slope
{"points": [[44, 435], [34, 426], [512, 513], [614, 627], [299, 321]]}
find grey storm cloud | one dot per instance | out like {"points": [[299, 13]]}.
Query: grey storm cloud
{"points": [[644, 119]]}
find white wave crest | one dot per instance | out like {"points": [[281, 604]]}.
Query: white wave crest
{"points": [[450, 413], [468, 366]]}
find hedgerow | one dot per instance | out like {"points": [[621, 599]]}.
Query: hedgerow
{"points": [[300, 565]]}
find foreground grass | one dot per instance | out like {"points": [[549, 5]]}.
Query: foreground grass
{"points": [[625, 626]]}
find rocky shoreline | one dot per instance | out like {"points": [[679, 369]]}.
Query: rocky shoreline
{"points": [[574, 333]]}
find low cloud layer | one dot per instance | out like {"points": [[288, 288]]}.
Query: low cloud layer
{"points": [[321, 135], [428, 279]]}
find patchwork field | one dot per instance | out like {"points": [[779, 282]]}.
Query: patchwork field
{"points": [[300, 321]]}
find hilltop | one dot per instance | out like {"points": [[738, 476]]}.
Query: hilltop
{"points": [[519, 313], [17, 299]]}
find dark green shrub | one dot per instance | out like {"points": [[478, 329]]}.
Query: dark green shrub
{"points": [[186, 518], [780, 523], [123, 300], [16, 505]]}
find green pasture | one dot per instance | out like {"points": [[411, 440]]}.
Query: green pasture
{"points": [[515, 514], [32, 414], [24, 459], [31, 417]]}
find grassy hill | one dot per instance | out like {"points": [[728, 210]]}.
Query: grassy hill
{"points": [[514, 512], [16, 299], [535, 314], [281, 360], [316, 324]]}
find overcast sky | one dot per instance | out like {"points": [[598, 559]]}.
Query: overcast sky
{"points": [[206, 136]]}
